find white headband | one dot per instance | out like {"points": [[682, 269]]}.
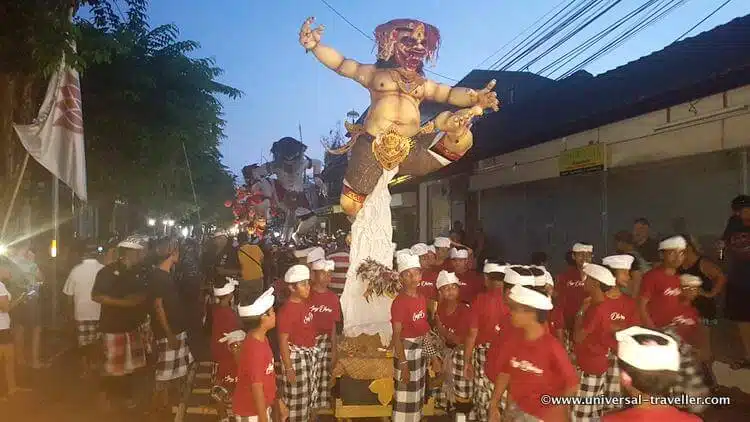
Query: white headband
{"points": [[301, 253], [602, 274], [619, 262], [513, 277], [459, 253], [650, 356], [442, 242], [261, 305], [297, 273], [315, 254], [445, 278], [528, 297], [227, 288], [582, 247], [323, 265], [419, 249], [406, 261], [543, 279], [676, 242], [491, 267]]}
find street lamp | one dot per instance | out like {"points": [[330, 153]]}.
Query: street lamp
{"points": [[151, 222], [170, 223]]}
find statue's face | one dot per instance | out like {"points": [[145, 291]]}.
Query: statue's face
{"points": [[410, 48]]}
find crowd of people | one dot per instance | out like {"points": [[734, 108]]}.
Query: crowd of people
{"points": [[486, 339]]}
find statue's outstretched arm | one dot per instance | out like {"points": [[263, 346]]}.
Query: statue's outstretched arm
{"points": [[332, 59], [460, 96]]}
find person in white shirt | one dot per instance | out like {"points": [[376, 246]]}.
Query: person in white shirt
{"points": [[7, 349], [78, 287]]}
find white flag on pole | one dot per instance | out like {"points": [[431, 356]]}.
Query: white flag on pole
{"points": [[55, 137]]}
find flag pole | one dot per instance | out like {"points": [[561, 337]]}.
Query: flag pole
{"points": [[15, 194]]}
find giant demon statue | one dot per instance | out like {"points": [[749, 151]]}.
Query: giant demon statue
{"points": [[392, 135], [287, 192], [392, 140]]}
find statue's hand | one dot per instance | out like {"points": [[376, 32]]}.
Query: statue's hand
{"points": [[310, 37], [487, 98], [459, 122]]}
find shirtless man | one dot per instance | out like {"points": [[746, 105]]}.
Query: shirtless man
{"points": [[392, 131]]}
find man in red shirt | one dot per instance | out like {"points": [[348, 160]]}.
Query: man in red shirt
{"points": [[489, 316], [649, 362], [531, 365], [471, 282], [327, 313], [224, 320], [255, 394], [451, 325], [409, 320], [621, 266], [427, 286], [569, 291], [659, 299], [442, 251], [299, 355], [604, 312]]}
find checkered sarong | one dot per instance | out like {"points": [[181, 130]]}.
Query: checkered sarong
{"points": [[456, 387], [88, 332], [595, 385], [123, 353], [408, 398], [300, 396], [432, 345], [251, 418], [173, 363], [325, 359], [481, 393], [690, 381]]}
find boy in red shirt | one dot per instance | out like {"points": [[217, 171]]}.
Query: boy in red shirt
{"points": [[569, 291], [621, 266], [451, 324], [489, 315], [327, 313], [409, 320], [255, 393], [649, 362], [299, 355], [659, 296], [686, 330], [224, 321], [429, 273], [442, 252], [531, 364], [605, 312], [471, 283]]}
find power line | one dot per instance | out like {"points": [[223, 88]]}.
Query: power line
{"points": [[333, 9], [520, 34], [703, 20]]}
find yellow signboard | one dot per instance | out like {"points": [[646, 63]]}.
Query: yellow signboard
{"points": [[582, 160]]}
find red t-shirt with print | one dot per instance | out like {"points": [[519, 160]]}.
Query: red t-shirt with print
{"points": [[686, 323], [224, 321], [663, 293], [296, 319], [660, 414], [569, 294], [411, 313], [536, 367], [456, 322], [489, 315], [600, 322], [256, 367], [326, 311], [471, 283], [427, 286]]}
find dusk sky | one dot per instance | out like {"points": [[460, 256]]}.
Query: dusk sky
{"points": [[256, 43]]}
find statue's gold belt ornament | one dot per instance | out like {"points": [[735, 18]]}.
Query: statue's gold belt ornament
{"points": [[389, 148]]}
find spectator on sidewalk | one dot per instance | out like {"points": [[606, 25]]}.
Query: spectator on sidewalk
{"points": [[28, 315], [78, 288], [647, 246], [121, 291], [625, 244], [168, 326], [7, 350], [738, 288]]}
